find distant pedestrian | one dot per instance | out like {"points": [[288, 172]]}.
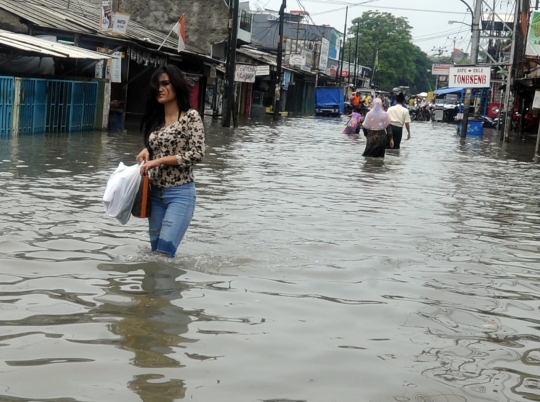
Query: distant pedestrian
{"points": [[399, 117], [355, 100], [378, 133], [174, 142], [355, 122]]}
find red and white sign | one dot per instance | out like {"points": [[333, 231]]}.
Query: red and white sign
{"points": [[440, 69], [469, 77]]}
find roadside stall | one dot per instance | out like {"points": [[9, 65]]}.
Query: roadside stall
{"points": [[449, 103]]}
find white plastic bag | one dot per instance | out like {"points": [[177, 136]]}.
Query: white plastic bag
{"points": [[121, 190]]}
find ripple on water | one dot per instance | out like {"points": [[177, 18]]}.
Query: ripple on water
{"points": [[308, 271]]}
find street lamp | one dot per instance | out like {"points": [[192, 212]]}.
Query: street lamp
{"points": [[470, 9], [459, 22]]}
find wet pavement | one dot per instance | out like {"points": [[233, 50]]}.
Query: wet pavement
{"points": [[309, 273]]}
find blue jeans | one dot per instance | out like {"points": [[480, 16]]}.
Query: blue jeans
{"points": [[172, 210]]}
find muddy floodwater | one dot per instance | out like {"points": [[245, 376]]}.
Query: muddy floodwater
{"points": [[309, 273]]}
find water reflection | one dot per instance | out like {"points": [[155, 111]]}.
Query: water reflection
{"points": [[151, 326]]}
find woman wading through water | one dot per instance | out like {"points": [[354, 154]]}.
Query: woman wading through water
{"points": [[174, 142], [377, 130]]}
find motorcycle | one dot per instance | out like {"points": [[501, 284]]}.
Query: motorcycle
{"points": [[530, 122], [421, 113], [489, 122]]}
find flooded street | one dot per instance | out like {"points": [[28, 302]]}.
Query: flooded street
{"points": [[309, 273]]}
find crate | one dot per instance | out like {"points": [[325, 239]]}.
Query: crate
{"points": [[474, 128]]}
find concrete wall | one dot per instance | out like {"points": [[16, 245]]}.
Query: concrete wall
{"points": [[12, 23], [206, 20]]}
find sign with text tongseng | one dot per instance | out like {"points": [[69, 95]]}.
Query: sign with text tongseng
{"points": [[469, 77]]}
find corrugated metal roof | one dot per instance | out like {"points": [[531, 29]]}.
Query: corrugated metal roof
{"points": [[255, 54], [83, 17], [269, 59], [31, 44]]}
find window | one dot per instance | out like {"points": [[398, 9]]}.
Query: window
{"points": [[245, 21]]}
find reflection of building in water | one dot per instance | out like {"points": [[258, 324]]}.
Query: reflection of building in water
{"points": [[151, 326]]}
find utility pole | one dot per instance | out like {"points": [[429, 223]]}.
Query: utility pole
{"points": [[454, 39], [231, 60], [356, 55], [343, 47], [349, 66], [277, 96], [475, 42], [510, 81]]}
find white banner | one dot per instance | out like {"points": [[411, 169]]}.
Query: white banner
{"points": [[323, 57], [533, 37], [107, 16], [245, 73], [120, 23], [262, 70], [440, 69], [297, 60], [469, 77], [116, 67]]}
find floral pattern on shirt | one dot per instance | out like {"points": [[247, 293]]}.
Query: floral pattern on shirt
{"points": [[185, 139]]}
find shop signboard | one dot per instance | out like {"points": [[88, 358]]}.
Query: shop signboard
{"points": [[323, 57], [533, 37], [120, 23], [245, 73], [440, 69], [297, 60], [116, 67], [469, 77], [107, 16], [262, 70]]}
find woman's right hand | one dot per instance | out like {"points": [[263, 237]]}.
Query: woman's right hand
{"points": [[143, 156]]}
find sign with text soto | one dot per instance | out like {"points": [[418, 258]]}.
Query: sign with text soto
{"points": [[533, 36], [245, 73], [469, 77], [440, 69]]}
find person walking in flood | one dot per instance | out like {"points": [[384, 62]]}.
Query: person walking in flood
{"points": [[173, 136], [377, 130], [399, 117], [355, 122]]}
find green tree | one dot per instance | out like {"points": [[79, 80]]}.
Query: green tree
{"points": [[385, 42], [423, 81]]}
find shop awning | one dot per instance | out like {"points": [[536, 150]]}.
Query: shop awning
{"points": [[455, 90], [447, 91], [30, 45]]}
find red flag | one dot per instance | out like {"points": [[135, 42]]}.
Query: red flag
{"points": [[180, 29]]}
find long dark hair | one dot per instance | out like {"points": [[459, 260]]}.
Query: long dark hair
{"points": [[154, 113]]}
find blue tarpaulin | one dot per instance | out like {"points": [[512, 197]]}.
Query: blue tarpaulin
{"points": [[454, 90], [448, 91], [329, 97]]}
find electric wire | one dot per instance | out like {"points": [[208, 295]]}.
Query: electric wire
{"points": [[363, 4]]}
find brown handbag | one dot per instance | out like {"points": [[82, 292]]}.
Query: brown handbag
{"points": [[142, 206]]}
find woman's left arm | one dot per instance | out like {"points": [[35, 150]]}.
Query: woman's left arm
{"points": [[195, 146]]}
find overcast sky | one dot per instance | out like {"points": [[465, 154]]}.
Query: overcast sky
{"points": [[429, 18]]}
